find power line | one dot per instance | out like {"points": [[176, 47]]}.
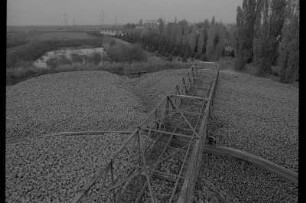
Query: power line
{"points": [[115, 20], [8, 11], [102, 18], [65, 19]]}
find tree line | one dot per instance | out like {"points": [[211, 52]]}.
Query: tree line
{"points": [[268, 35], [204, 41]]}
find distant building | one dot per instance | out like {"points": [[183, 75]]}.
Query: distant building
{"points": [[139, 27], [229, 50], [110, 32], [151, 24]]}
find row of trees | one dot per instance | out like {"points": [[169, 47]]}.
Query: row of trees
{"points": [[205, 40], [268, 35]]}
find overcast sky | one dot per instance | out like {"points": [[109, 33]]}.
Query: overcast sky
{"points": [[88, 12]]}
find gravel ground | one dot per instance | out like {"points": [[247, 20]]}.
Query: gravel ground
{"points": [[55, 168], [259, 116], [71, 101], [238, 181]]}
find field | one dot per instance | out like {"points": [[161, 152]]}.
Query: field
{"points": [[32, 36], [18, 37]]}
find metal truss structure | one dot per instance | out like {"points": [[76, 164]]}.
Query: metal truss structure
{"points": [[159, 161]]}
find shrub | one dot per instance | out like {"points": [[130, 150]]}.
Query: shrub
{"points": [[76, 58], [137, 54], [117, 53], [95, 58], [63, 60], [52, 62], [19, 74], [125, 53], [56, 61]]}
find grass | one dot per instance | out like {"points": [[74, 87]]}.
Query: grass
{"points": [[43, 35]]}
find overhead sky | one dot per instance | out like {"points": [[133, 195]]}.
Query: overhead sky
{"points": [[89, 12]]}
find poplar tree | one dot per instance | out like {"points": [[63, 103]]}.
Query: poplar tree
{"points": [[246, 18], [268, 34], [193, 40], [288, 59], [215, 42], [201, 51]]}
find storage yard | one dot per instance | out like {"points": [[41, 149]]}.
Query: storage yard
{"points": [[260, 117]]}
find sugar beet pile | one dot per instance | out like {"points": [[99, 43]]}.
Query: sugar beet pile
{"points": [[259, 116], [252, 114], [76, 101], [43, 169]]}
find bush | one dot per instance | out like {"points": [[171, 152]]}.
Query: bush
{"points": [[77, 58], [63, 60], [19, 74], [137, 54], [117, 53], [125, 53], [95, 58], [52, 62], [56, 61]]}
